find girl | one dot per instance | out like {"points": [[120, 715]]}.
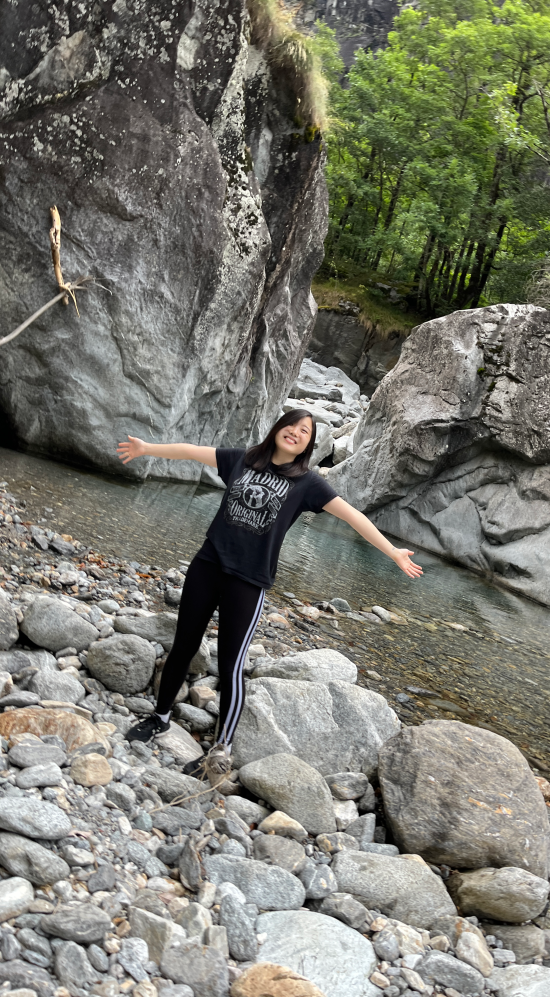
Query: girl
{"points": [[268, 486]]}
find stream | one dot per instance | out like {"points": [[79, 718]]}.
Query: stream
{"points": [[494, 674]]}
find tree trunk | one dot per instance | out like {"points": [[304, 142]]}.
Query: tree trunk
{"points": [[389, 214]]}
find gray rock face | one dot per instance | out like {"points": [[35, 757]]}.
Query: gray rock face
{"points": [[52, 624], [522, 981], [438, 967], [399, 887], [454, 451], [323, 665], [160, 628], [508, 894], [32, 861], [9, 631], [291, 785], [124, 663], [342, 339], [33, 818], [201, 967], [56, 685], [234, 202], [82, 924], [330, 954], [332, 727], [15, 896], [464, 796], [269, 887]]}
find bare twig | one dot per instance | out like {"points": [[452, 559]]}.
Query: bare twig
{"points": [[55, 243], [77, 285]]}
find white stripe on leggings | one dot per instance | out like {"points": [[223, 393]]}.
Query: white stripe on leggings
{"points": [[237, 689]]}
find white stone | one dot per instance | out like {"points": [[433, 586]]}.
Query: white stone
{"points": [[16, 895]]}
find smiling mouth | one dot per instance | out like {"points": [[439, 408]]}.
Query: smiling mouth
{"points": [[290, 439]]}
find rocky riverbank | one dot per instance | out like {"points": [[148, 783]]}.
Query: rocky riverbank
{"points": [[344, 855]]}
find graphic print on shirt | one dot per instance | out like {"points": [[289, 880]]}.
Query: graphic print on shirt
{"points": [[255, 500]]}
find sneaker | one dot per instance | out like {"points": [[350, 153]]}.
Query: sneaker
{"points": [[215, 766], [147, 729]]}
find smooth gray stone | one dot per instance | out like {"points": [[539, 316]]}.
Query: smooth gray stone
{"points": [[21, 975], [486, 512], [73, 968], [526, 941], [248, 811], [445, 969], [26, 858], [16, 894], [347, 785], [521, 981], [377, 848], [122, 795], [172, 819], [398, 887], [363, 829], [10, 947], [508, 894], [103, 879], [171, 784], [291, 785], [200, 720], [20, 698], [9, 631], [332, 727], [284, 852], [201, 967], [33, 818], [160, 628], [241, 936], [319, 880], [431, 777], [124, 663], [98, 958], [50, 684], [15, 661], [345, 908], [189, 863], [270, 887], [318, 665], [82, 924], [330, 954], [52, 624], [25, 755], [39, 775], [133, 955]]}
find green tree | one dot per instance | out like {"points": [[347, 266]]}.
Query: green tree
{"points": [[439, 153]]}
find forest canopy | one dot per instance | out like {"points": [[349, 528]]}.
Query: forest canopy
{"points": [[439, 154]]}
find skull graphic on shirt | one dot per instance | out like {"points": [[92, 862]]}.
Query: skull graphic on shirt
{"points": [[255, 500]]}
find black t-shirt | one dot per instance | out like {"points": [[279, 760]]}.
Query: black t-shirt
{"points": [[257, 509]]}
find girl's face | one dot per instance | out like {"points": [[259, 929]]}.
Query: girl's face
{"points": [[293, 440]]}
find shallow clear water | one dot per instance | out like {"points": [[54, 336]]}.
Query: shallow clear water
{"points": [[505, 686]]}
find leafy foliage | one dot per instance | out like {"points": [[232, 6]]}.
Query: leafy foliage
{"points": [[439, 154]]}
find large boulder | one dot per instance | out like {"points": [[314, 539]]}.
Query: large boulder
{"points": [[51, 623], [464, 796], [401, 887], [454, 451], [318, 665], [293, 786], [200, 154], [124, 663], [332, 727], [508, 894], [9, 631], [521, 981], [333, 956]]}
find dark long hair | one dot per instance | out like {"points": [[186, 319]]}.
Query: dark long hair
{"points": [[258, 457]]}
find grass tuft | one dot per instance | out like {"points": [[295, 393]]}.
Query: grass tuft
{"points": [[293, 55], [384, 316]]}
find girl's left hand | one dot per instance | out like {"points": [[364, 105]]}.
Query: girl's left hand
{"points": [[402, 558]]}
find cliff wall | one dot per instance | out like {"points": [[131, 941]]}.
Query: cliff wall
{"points": [[189, 188]]}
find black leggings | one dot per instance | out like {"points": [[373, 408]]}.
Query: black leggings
{"points": [[240, 605]]}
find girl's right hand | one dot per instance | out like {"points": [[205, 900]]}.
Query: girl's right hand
{"points": [[128, 451]]}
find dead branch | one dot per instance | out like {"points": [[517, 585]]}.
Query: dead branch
{"points": [[66, 289]]}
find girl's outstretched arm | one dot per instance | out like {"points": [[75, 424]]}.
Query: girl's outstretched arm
{"points": [[402, 557], [170, 451]]}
